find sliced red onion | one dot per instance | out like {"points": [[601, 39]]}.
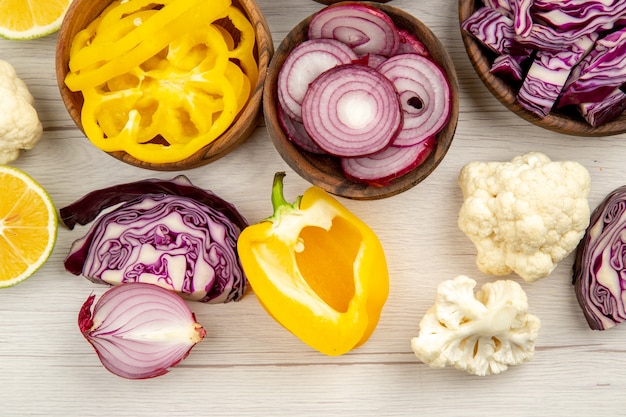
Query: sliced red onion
{"points": [[364, 28], [409, 44], [392, 162], [297, 134], [139, 330], [351, 110], [424, 96], [305, 62], [372, 60]]}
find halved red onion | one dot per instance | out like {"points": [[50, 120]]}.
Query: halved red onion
{"points": [[364, 28], [305, 62], [139, 330], [424, 95], [351, 110], [297, 134], [392, 162]]}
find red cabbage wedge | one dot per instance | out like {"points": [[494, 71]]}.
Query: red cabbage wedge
{"points": [[599, 272], [166, 232]]}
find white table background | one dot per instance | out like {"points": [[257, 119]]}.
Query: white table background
{"points": [[248, 365]]}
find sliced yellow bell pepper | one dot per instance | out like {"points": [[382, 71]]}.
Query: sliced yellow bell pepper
{"points": [[317, 269], [151, 44], [162, 93]]}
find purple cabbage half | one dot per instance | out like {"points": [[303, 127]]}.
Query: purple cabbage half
{"points": [[599, 271], [166, 232]]}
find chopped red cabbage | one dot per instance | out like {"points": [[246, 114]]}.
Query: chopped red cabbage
{"points": [[600, 72]]}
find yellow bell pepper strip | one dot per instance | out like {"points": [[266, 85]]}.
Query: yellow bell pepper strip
{"points": [[243, 51], [317, 269]]}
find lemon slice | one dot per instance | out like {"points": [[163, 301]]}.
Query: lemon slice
{"points": [[28, 226], [28, 19]]}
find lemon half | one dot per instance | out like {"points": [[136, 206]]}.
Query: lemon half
{"points": [[28, 226], [28, 19]]}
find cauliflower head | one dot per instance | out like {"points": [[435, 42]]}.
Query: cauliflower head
{"points": [[526, 215], [20, 127], [482, 333]]}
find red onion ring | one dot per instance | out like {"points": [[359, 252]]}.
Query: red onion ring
{"points": [[390, 163], [303, 65], [297, 134], [351, 110], [424, 95], [409, 44], [139, 330], [364, 28]]}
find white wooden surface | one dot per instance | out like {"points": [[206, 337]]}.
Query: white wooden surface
{"points": [[248, 365]]}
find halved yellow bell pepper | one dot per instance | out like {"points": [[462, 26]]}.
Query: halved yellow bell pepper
{"points": [[317, 269]]}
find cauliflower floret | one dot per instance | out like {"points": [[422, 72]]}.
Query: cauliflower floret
{"points": [[482, 333], [526, 215], [20, 127]]}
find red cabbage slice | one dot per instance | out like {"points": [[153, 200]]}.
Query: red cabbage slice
{"points": [[168, 233], [491, 28], [583, 16], [502, 6], [605, 111], [547, 76], [508, 67], [599, 271], [600, 72], [522, 16]]}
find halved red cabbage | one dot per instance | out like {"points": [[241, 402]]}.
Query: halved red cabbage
{"points": [[168, 233], [599, 271]]}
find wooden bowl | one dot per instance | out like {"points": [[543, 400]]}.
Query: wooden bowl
{"points": [[325, 171], [565, 121], [83, 12]]}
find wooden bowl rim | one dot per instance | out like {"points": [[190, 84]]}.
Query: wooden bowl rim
{"points": [[241, 128], [308, 165], [556, 121]]}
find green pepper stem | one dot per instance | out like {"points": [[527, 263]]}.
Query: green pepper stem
{"points": [[279, 204]]}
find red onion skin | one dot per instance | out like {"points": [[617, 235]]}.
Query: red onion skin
{"points": [[147, 365]]}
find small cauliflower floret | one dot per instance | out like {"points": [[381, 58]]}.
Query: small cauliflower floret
{"points": [[481, 334], [20, 127], [526, 215]]}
